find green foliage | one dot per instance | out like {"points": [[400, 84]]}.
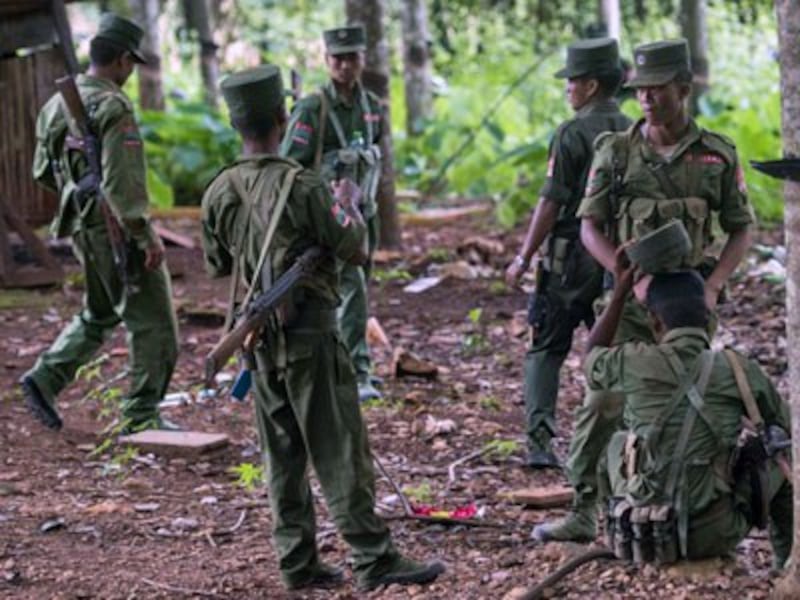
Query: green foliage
{"points": [[248, 475], [186, 146], [501, 448], [394, 274], [421, 494], [491, 403]]}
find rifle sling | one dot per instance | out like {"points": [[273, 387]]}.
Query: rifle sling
{"points": [[744, 389], [277, 211]]}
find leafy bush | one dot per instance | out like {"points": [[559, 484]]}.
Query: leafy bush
{"points": [[186, 146]]}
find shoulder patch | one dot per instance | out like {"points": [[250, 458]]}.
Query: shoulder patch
{"points": [[719, 143]]}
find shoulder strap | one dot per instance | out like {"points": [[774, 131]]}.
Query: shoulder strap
{"points": [[664, 180], [277, 211], [745, 391], [323, 124], [365, 110], [695, 396]]}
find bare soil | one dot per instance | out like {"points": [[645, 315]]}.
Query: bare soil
{"points": [[78, 523]]}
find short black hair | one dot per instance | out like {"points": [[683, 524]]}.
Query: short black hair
{"points": [[256, 126], [609, 82], [103, 52], [678, 299]]}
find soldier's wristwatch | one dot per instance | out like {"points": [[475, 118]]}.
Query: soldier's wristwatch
{"points": [[520, 261]]}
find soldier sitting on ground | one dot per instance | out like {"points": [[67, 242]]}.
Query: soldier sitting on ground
{"points": [[675, 482]]}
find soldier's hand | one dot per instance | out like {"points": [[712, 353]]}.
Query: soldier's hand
{"points": [[515, 271], [346, 192], [153, 255], [711, 295], [624, 270]]}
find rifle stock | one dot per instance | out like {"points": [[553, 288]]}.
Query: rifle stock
{"points": [[90, 147], [258, 312]]}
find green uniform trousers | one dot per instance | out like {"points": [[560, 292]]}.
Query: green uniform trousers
{"points": [[567, 303], [718, 529], [600, 415], [309, 412], [354, 309], [147, 315]]}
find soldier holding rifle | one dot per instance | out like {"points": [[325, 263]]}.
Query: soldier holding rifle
{"points": [[261, 215], [90, 153]]}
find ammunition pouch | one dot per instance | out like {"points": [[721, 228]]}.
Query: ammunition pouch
{"points": [[361, 165], [642, 534], [619, 534]]}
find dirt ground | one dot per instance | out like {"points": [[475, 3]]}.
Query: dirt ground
{"points": [[78, 521]]}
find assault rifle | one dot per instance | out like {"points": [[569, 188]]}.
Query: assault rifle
{"points": [[258, 311], [89, 145]]}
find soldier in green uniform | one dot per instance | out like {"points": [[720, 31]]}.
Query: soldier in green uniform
{"points": [[671, 492], [569, 279], [145, 307], [305, 390], [663, 167], [337, 132]]}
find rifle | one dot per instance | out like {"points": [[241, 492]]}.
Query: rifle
{"points": [[89, 145], [259, 310]]}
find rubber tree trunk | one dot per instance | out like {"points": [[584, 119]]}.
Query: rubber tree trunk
{"points": [[611, 17], [151, 90], [693, 28], [416, 65], [198, 17], [370, 13], [788, 34]]}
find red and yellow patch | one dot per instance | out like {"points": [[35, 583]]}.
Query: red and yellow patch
{"points": [[706, 158], [372, 117]]}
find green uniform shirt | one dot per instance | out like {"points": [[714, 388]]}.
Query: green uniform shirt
{"points": [[311, 217], [359, 127], [59, 168], [570, 157], [702, 176], [302, 135], [642, 372]]}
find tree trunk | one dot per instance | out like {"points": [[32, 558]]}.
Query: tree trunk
{"points": [[611, 17], [788, 34], [151, 91], [416, 65], [693, 27], [370, 13], [198, 17]]}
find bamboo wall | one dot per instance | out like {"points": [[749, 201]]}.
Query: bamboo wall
{"points": [[25, 85]]}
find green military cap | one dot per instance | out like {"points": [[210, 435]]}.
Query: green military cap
{"points": [[344, 40], [660, 62], [253, 93], [591, 57], [663, 249], [122, 32]]}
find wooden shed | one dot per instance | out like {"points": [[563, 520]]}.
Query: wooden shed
{"points": [[30, 62]]}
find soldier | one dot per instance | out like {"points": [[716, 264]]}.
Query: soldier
{"points": [[568, 278], [663, 167], [667, 477], [337, 132], [146, 308], [306, 398]]}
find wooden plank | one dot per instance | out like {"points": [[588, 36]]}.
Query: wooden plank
{"points": [[190, 444], [540, 497], [173, 237]]}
